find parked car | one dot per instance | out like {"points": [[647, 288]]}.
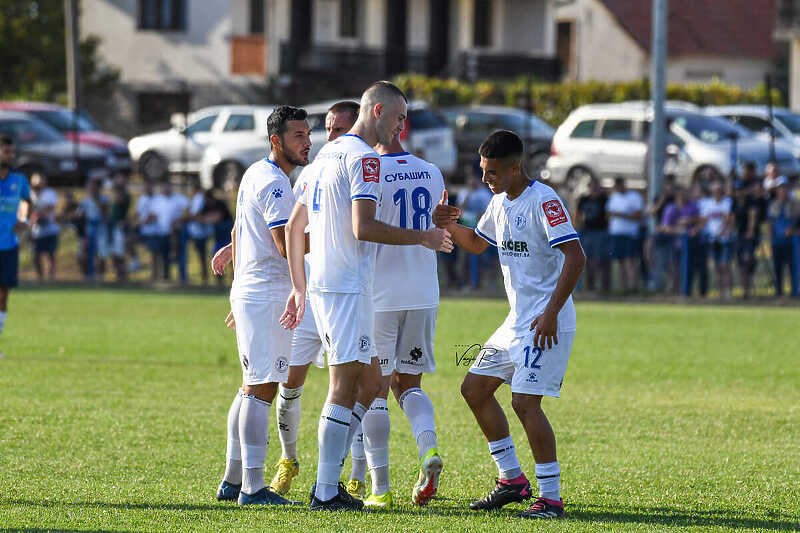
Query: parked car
{"points": [[77, 127], [41, 148], [755, 118], [473, 124], [218, 143], [608, 140]]}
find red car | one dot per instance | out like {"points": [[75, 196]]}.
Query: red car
{"points": [[78, 127]]}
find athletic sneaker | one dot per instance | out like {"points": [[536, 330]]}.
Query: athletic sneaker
{"points": [[264, 497], [503, 493], [382, 501], [228, 491], [428, 481], [544, 508], [356, 488], [287, 470], [341, 502]]}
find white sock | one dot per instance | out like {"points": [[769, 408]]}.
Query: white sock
{"points": [[505, 456], [233, 454], [3, 315], [358, 469], [288, 409], [334, 423], [548, 475], [376, 445], [355, 427], [254, 438], [419, 410]]}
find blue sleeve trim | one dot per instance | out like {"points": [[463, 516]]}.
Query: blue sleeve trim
{"points": [[485, 237], [367, 196], [565, 238], [278, 223]]}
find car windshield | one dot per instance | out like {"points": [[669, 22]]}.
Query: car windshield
{"points": [[708, 129], [29, 132], [791, 121], [66, 120], [425, 119]]}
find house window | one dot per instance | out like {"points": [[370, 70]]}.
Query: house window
{"points": [[155, 108], [256, 16], [482, 23], [349, 14], [162, 14]]}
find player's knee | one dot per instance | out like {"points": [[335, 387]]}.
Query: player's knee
{"points": [[525, 404], [471, 392]]}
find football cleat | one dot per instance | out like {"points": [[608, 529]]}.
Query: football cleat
{"points": [[383, 501], [264, 497], [228, 491], [428, 481], [287, 470], [543, 508], [356, 488], [341, 502], [503, 493]]}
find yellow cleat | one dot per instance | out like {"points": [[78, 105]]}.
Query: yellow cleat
{"points": [[287, 470], [383, 501], [356, 488], [428, 481]]}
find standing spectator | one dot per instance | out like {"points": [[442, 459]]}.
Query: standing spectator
{"points": [[748, 212], [178, 212], [45, 230], [771, 177], [147, 226], [783, 216], [474, 204], [161, 209], [196, 229], [662, 242], [95, 209], [216, 213], [72, 216], [716, 211], [682, 220], [593, 223], [117, 224], [624, 208]]}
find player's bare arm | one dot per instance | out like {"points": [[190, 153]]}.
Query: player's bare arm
{"points": [[279, 237], [367, 228], [221, 259], [546, 324], [444, 215], [296, 249], [229, 320]]}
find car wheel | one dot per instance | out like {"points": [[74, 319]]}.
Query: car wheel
{"points": [[153, 166], [227, 175], [536, 163]]}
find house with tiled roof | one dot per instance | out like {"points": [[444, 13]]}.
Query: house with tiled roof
{"points": [[610, 40]]}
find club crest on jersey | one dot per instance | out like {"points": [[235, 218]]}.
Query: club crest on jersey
{"points": [[371, 168], [520, 221], [281, 364], [554, 212], [277, 193], [364, 343]]}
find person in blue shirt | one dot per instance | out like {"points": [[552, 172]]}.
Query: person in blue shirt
{"points": [[14, 189], [783, 214]]}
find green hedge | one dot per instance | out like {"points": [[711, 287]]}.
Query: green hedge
{"points": [[554, 101]]}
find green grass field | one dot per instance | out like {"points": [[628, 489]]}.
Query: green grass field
{"points": [[672, 418]]}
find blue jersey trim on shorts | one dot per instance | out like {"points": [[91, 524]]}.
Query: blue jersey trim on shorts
{"points": [[485, 237], [398, 154], [277, 223], [559, 240], [367, 196]]}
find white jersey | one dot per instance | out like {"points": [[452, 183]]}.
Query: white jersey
{"points": [[264, 202], [144, 208], [714, 212], [525, 231], [406, 276], [344, 170], [625, 203]]}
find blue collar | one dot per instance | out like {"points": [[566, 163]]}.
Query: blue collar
{"points": [[354, 135], [398, 154], [271, 162]]}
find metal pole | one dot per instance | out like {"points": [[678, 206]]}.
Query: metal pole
{"points": [[658, 95], [73, 69], [771, 118]]}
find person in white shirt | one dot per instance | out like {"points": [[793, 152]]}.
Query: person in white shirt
{"points": [[146, 225], [339, 206], [624, 209], [541, 259], [179, 213], [45, 229], [260, 283], [717, 213]]}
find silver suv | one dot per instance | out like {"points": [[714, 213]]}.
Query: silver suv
{"points": [[755, 118], [608, 140]]}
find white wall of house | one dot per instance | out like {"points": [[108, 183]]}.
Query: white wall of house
{"points": [[525, 26], [276, 31], [418, 34], [744, 72]]}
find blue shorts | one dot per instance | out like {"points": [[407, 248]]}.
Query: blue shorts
{"points": [[623, 247], [9, 267], [721, 251], [595, 243]]}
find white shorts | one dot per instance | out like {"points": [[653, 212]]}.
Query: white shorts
{"points": [[345, 323], [264, 345], [306, 344], [404, 341], [527, 369]]}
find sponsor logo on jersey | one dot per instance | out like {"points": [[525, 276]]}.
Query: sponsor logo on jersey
{"points": [[532, 378], [277, 193], [514, 248], [404, 176], [554, 212], [415, 355], [383, 362], [281, 364], [371, 168], [245, 362], [364, 343]]}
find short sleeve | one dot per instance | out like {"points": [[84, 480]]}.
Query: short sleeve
{"points": [[300, 186], [276, 204], [554, 220], [486, 228], [637, 202], [364, 173]]}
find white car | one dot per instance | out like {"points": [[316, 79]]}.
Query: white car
{"points": [[755, 118], [218, 143]]}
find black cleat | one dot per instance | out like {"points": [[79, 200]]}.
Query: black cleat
{"points": [[502, 494], [341, 502], [543, 508], [264, 497], [228, 491]]}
